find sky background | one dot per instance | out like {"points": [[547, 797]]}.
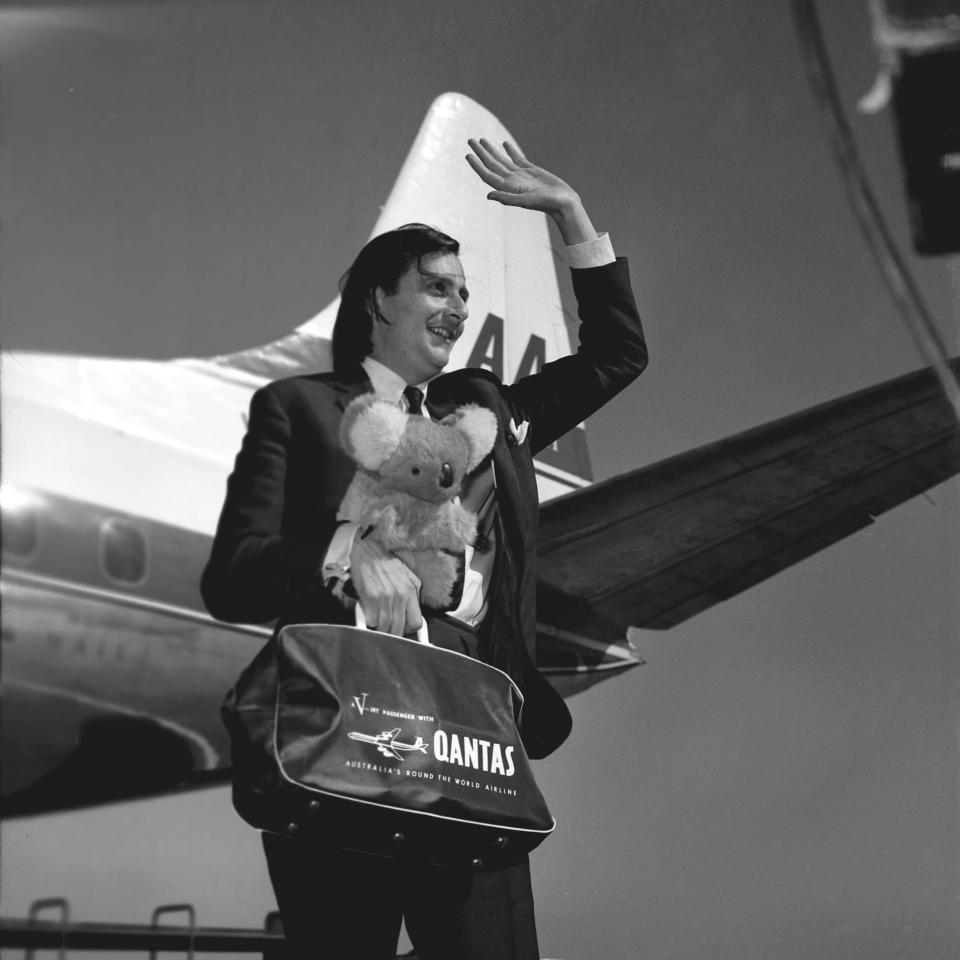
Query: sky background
{"points": [[781, 779]]}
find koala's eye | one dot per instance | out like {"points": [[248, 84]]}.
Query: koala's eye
{"points": [[416, 471]]}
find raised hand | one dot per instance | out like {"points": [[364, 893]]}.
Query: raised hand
{"points": [[517, 182]]}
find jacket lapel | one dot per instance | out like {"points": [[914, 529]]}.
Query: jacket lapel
{"points": [[354, 383], [448, 392]]}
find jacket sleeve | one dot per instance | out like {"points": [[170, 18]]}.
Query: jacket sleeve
{"points": [[256, 568], [612, 353]]}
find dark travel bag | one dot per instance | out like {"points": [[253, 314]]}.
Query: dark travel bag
{"points": [[378, 743]]}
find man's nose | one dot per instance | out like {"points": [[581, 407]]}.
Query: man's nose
{"points": [[458, 308]]}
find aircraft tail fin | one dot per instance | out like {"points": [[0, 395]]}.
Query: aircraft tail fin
{"points": [[434, 186], [517, 320]]}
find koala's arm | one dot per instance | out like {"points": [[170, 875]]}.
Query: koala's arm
{"points": [[389, 530], [255, 570], [447, 527], [405, 522]]}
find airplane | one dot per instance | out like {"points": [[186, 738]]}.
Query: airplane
{"points": [[114, 474], [388, 745]]}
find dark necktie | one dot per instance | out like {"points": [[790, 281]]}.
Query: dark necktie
{"points": [[414, 398]]}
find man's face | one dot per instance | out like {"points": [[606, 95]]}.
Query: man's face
{"points": [[424, 315]]}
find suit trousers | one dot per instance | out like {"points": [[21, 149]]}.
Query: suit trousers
{"points": [[344, 903]]}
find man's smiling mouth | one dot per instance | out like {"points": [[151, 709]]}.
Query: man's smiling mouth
{"points": [[442, 332]]}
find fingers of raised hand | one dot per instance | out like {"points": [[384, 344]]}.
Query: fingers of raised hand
{"points": [[516, 154], [502, 162], [508, 199], [491, 158], [490, 179], [509, 172]]}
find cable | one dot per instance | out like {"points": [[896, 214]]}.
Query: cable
{"points": [[897, 277]]}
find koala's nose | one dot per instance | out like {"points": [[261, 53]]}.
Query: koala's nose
{"points": [[446, 476]]}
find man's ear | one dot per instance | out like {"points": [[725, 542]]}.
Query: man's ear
{"points": [[375, 304], [371, 430]]}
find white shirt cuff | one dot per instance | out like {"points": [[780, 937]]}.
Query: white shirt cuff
{"points": [[336, 563], [591, 253]]}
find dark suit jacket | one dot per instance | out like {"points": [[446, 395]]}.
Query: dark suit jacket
{"points": [[291, 474]]}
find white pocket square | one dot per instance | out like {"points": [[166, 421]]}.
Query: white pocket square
{"points": [[519, 432]]}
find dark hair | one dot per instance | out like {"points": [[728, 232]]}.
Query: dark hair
{"points": [[381, 263]]}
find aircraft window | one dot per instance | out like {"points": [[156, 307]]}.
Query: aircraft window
{"points": [[20, 532], [123, 551]]}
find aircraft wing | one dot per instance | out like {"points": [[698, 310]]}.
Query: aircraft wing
{"points": [[653, 547]]}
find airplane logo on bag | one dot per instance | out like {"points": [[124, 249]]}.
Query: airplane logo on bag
{"points": [[388, 744], [456, 749]]}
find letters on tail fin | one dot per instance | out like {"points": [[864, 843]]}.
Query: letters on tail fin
{"points": [[516, 315]]}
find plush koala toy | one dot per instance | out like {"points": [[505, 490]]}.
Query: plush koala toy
{"points": [[410, 471]]}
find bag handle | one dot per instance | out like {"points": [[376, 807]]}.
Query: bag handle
{"points": [[361, 620]]}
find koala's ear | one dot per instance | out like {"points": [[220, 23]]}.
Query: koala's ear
{"points": [[371, 430], [479, 426]]}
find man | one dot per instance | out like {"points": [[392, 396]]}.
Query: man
{"points": [[279, 552]]}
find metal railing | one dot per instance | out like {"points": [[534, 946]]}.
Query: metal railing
{"points": [[61, 934]]}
